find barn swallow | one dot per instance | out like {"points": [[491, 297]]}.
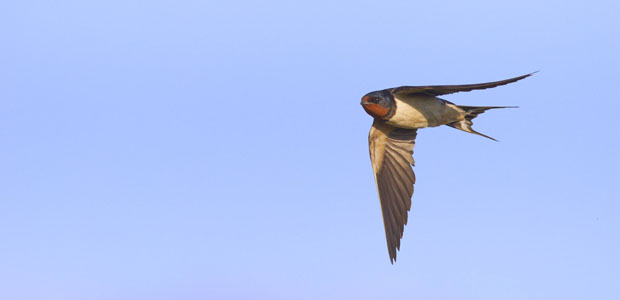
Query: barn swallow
{"points": [[398, 113]]}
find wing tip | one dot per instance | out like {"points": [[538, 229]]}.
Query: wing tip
{"points": [[521, 77]]}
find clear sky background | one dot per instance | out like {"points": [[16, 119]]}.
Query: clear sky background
{"points": [[217, 150]]}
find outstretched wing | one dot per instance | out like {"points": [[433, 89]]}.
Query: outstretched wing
{"points": [[391, 151], [437, 90]]}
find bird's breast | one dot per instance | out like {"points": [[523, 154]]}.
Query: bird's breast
{"points": [[422, 111]]}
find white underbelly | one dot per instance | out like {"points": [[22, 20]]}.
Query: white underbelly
{"points": [[423, 111]]}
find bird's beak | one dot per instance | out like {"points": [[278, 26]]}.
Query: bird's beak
{"points": [[365, 100]]}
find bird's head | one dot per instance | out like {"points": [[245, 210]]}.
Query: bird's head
{"points": [[379, 104]]}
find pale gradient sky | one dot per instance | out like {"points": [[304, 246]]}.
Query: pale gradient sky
{"points": [[217, 150]]}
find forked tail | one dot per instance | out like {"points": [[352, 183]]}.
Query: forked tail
{"points": [[472, 112]]}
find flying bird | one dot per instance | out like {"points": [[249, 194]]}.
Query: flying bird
{"points": [[398, 114]]}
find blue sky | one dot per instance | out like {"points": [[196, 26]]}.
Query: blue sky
{"points": [[217, 150]]}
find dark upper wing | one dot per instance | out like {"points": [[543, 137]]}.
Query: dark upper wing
{"points": [[391, 151], [437, 90]]}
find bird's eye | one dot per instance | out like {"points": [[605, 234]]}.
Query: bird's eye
{"points": [[375, 100]]}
